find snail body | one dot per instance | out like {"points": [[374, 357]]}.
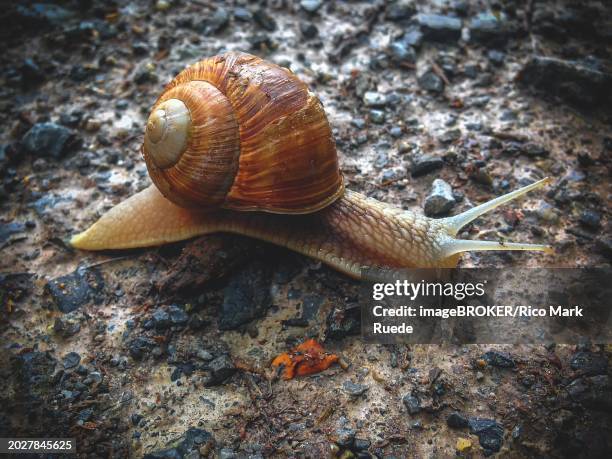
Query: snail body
{"points": [[239, 145]]}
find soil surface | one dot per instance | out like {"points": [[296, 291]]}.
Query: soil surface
{"points": [[166, 352]]}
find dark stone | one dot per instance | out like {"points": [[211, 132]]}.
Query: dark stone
{"points": [[86, 415], [72, 291], [496, 57], [354, 389], [456, 420], [412, 404], [216, 22], [487, 29], [343, 322], [345, 437], [413, 37], [71, 360], [401, 53], [534, 150], [590, 219], [246, 296], [264, 20], [49, 139], [450, 136], [431, 82], [498, 359], [440, 199], [189, 444], [140, 346], [136, 418], [594, 392], [177, 315], [490, 433], [424, 164], [160, 320], [589, 363], [221, 368], [400, 10], [570, 80], [8, 229], [35, 374], [308, 30], [66, 326], [436, 27], [362, 444]]}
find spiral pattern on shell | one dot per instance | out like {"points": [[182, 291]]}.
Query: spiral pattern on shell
{"points": [[237, 132]]}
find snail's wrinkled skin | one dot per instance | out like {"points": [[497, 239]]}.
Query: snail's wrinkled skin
{"points": [[351, 233]]}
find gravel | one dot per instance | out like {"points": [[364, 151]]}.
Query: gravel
{"points": [[440, 199]]}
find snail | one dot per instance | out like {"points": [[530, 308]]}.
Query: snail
{"points": [[239, 145]]}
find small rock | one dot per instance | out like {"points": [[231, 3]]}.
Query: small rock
{"points": [[308, 30], [310, 6], [456, 421], [490, 433], [498, 359], [221, 369], [177, 315], [496, 57], [49, 139], [140, 346], [570, 80], [243, 14], [71, 360], [362, 444], [401, 53], [436, 27], [431, 82], [450, 136], [354, 389], [246, 296], [423, 164], [412, 404], [463, 444], [345, 437], [377, 116], [72, 291], [374, 99], [413, 37], [159, 320], [440, 200], [216, 22], [400, 10], [192, 441], [590, 219], [265, 20], [489, 30], [589, 363]]}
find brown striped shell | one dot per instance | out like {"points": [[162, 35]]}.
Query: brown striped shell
{"points": [[238, 132]]}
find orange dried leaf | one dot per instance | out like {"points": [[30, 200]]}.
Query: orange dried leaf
{"points": [[306, 359]]}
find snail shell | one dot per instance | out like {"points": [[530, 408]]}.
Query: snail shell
{"points": [[237, 132]]}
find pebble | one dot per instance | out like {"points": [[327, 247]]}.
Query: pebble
{"points": [[488, 30], [48, 139], [177, 315], [401, 53], [498, 359], [310, 6], [431, 82], [243, 14], [490, 434], [345, 437], [265, 20], [215, 22], [308, 30], [400, 10], [463, 444], [423, 164], [413, 37], [590, 219], [374, 99], [437, 27], [569, 80], [354, 389], [71, 360], [187, 447], [450, 136], [377, 116], [72, 291], [456, 420], [246, 296], [440, 199], [496, 57], [140, 347], [589, 363], [221, 368], [412, 404]]}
